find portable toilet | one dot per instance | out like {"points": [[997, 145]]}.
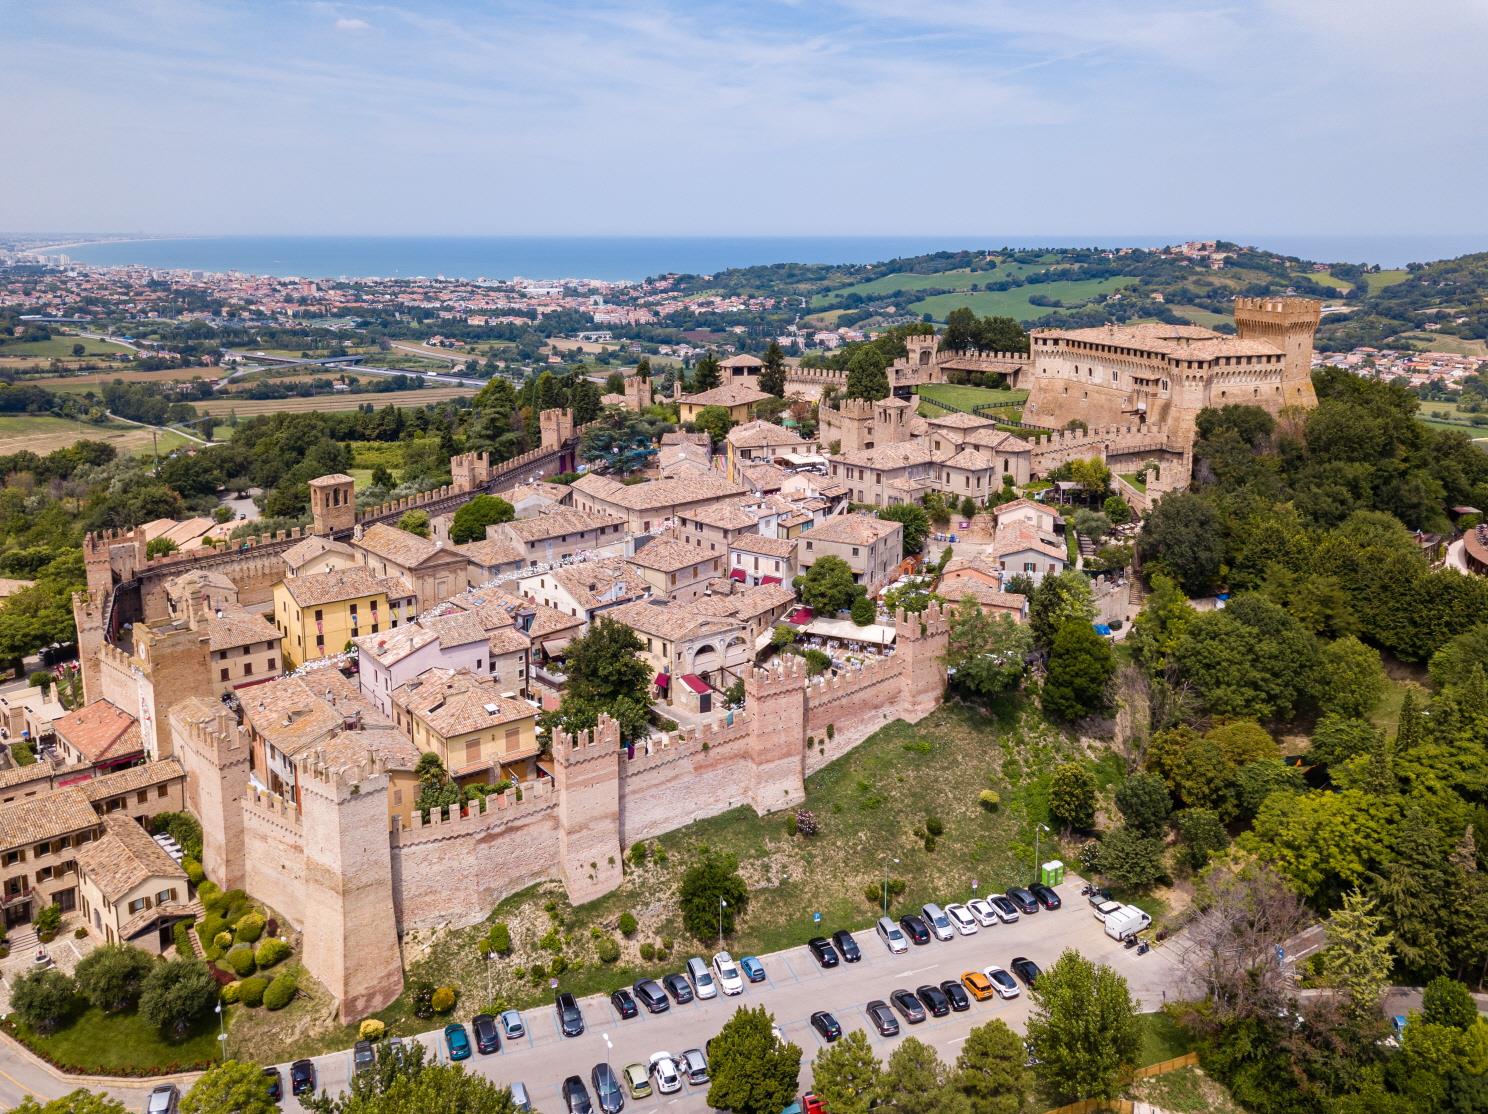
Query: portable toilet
{"points": [[1052, 873]]}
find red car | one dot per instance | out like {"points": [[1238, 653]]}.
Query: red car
{"points": [[814, 1105]]}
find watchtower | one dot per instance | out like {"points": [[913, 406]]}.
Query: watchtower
{"points": [[921, 641], [332, 503], [638, 392], [920, 350], [557, 427], [586, 775], [775, 698], [1288, 323]]}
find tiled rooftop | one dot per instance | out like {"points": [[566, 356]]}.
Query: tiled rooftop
{"points": [[124, 857], [853, 529], [99, 731], [456, 702]]}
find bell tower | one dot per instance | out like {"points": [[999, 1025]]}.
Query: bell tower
{"points": [[332, 503]]}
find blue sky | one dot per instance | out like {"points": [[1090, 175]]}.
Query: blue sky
{"points": [[754, 117]]}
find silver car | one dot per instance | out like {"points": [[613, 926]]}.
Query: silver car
{"points": [[163, 1099]]}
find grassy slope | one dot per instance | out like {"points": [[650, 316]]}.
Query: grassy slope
{"points": [[967, 397], [959, 279], [100, 1044], [1381, 279], [60, 346], [1014, 303], [42, 433]]}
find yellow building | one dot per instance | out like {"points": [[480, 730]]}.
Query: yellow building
{"points": [[738, 399], [319, 613], [479, 733]]}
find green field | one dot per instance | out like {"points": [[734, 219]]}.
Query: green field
{"points": [[1381, 279], [61, 347], [1322, 278], [1442, 342], [1199, 316], [967, 398], [43, 433], [960, 279], [1014, 303]]}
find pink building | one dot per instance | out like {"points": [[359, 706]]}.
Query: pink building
{"points": [[395, 657]]}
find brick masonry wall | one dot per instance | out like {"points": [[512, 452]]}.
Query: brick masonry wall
{"points": [[855, 705], [274, 857]]}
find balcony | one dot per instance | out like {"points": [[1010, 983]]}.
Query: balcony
{"points": [[13, 898]]}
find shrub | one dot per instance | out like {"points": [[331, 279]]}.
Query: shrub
{"points": [[607, 949], [443, 1000], [249, 928], [371, 1030], [648, 951], [270, 951], [989, 799], [423, 998], [551, 941], [628, 924], [934, 827], [111, 977], [638, 855], [207, 892], [222, 941], [182, 934], [240, 959], [48, 921], [558, 966], [43, 998], [281, 991], [79, 932], [499, 938], [231, 992], [806, 822], [251, 991]]}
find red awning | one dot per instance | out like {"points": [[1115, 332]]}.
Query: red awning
{"points": [[769, 580], [695, 683], [662, 680], [737, 574], [800, 617]]}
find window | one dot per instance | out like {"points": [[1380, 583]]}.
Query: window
{"points": [[247, 669], [513, 738], [273, 665], [319, 615], [142, 797], [165, 895], [13, 857], [473, 751], [320, 641], [138, 904], [161, 790]]}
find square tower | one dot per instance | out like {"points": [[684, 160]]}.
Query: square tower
{"points": [[332, 503], [1288, 323]]}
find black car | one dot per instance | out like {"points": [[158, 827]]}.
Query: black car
{"points": [[624, 1004], [1098, 897], [302, 1078], [956, 994], [846, 946], [576, 1096], [822, 951], [936, 1003], [607, 1089], [274, 1083], [363, 1059], [649, 993], [1045, 895], [487, 1034], [1026, 969], [915, 928], [883, 1018], [1024, 900], [825, 1024], [678, 987], [908, 1006], [570, 1020]]}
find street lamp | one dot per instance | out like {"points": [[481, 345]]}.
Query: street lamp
{"points": [[489, 996], [1036, 831], [221, 1032], [722, 905], [887, 861]]}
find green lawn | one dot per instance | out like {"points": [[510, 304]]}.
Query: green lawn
{"points": [[97, 1043], [1428, 341], [969, 397], [1381, 279], [1322, 278], [1014, 303], [1162, 1039], [1199, 316], [60, 346], [959, 279], [1135, 480]]}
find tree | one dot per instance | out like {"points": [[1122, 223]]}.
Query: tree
{"points": [[177, 993], [1451, 664], [751, 1071], [1083, 1029], [1092, 474], [406, 1084], [1056, 601], [715, 422], [708, 884], [1256, 781], [1325, 843], [112, 976], [1447, 1002], [1352, 678], [231, 1087], [1160, 624], [1338, 738], [75, 1102], [867, 376], [470, 521], [1245, 912], [986, 653], [1143, 801], [916, 1082], [828, 586], [606, 674], [1358, 957], [43, 998], [846, 1075], [705, 373], [382, 478], [991, 1070], [1130, 859], [415, 522], [1251, 660], [1092, 524], [915, 521], [1072, 796], [863, 611], [161, 547], [772, 374], [1080, 670], [1183, 535]]}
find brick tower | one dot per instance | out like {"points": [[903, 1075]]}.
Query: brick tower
{"points": [[557, 427], [776, 701], [174, 660], [1288, 323], [921, 640], [213, 750], [332, 503], [586, 773]]}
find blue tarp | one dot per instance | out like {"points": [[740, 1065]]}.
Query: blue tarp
{"points": [[1102, 629]]}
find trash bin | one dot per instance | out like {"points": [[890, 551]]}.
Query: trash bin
{"points": [[1052, 873]]}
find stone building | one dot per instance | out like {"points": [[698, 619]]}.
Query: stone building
{"points": [[872, 547], [560, 532], [672, 569], [649, 507], [132, 892], [434, 571], [479, 732]]}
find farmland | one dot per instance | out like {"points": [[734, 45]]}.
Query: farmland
{"points": [[60, 347], [43, 433], [961, 279], [91, 380], [250, 407], [1014, 303]]}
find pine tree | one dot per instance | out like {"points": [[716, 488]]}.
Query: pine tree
{"points": [[1408, 731], [772, 375], [847, 1075]]}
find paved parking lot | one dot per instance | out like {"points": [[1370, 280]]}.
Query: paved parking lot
{"points": [[795, 988]]}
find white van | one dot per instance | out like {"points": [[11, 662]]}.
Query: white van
{"points": [[892, 936], [939, 923], [1125, 922]]}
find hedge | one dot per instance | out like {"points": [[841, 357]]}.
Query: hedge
{"points": [[281, 991], [181, 932], [443, 1000], [249, 927], [271, 951], [207, 892], [194, 872], [231, 992], [240, 959], [251, 991], [371, 1030]]}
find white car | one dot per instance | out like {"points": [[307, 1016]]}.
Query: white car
{"points": [[981, 909], [1106, 908], [664, 1071], [779, 1034], [1003, 906], [727, 973], [961, 919], [1002, 982], [892, 935]]}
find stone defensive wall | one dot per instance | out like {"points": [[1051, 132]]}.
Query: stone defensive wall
{"points": [[1059, 446], [274, 855], [854, 704]]}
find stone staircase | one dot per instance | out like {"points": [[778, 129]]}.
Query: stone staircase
{"points": [[22, 940], [197, 912]]}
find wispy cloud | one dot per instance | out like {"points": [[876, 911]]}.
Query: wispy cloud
{"points": [[350, 24]]}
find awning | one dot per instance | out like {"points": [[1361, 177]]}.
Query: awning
{"points": [[769, 580], [662, 680], [764, 640], [555, 646], [844, 630], [738, 574], [695, 683], [799, 617]]}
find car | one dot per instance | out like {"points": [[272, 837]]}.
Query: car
{"points": [[934, 1000], [961, 919], [915, 928], [607, 1091], [521, 1099], [637, 1081], [726, 974], [778, 1033], [363, 1059], [570, 1017], [1005, 985], [938, 923], [981, 909], [664, 1071], [576, 1096], [1026, 969], [624, 1004], [1045, 895], [273, 1083], [825, 1024], [909, 1006], [702, 979], [846, 946], [302, 1078], [649, 993], [822, 951], [163, 1099], [892, 936], [1024, 900], [487, 1035], [813, 1104], [753, 969], [883, 1018], [678, 987], [457, 1040], [1098, 896], [393, 1049], [978, 985], [1106, 908], [694, 1065], [1006, 911], [956, 994]]}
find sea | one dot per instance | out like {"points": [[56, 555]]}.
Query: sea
{"points": [[615, 258]]}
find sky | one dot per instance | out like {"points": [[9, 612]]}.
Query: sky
{"points": [[695, 117]]}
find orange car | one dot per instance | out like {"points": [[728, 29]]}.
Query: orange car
{"points": [[978, 985]]}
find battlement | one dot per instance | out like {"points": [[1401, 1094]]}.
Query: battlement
{"points": [[273, 810], [657, 751], [338, 783], [531, 798], [911, 626], [787, 673], [586, 746], [211, 731], [1288, 309], [827, 689]]}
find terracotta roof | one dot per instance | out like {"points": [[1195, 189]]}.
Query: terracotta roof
{"points": [[746, 605], [886, 458], [1175, 342], [496, 607], [399, 546], [508, 640], [984, 594], [1019, 504], [124, 857], [669, 555], [559, 522], [970, 460], [1000, 440], [313, 589], [456, 702], [679, 491], [728, 395], [726, 514], [332, 479], [764, 477], [1020, 537], [457, 629], [600, 583], [296, 713], [99, 731], [347, 749], [133, 779], [236, 627], [854, 529], [682, 437], [744, 359], [491, 553], [302, 553], [958, 421], [763, 434], [20, 775], [768, 547], [664, 619], [45, 816]]}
